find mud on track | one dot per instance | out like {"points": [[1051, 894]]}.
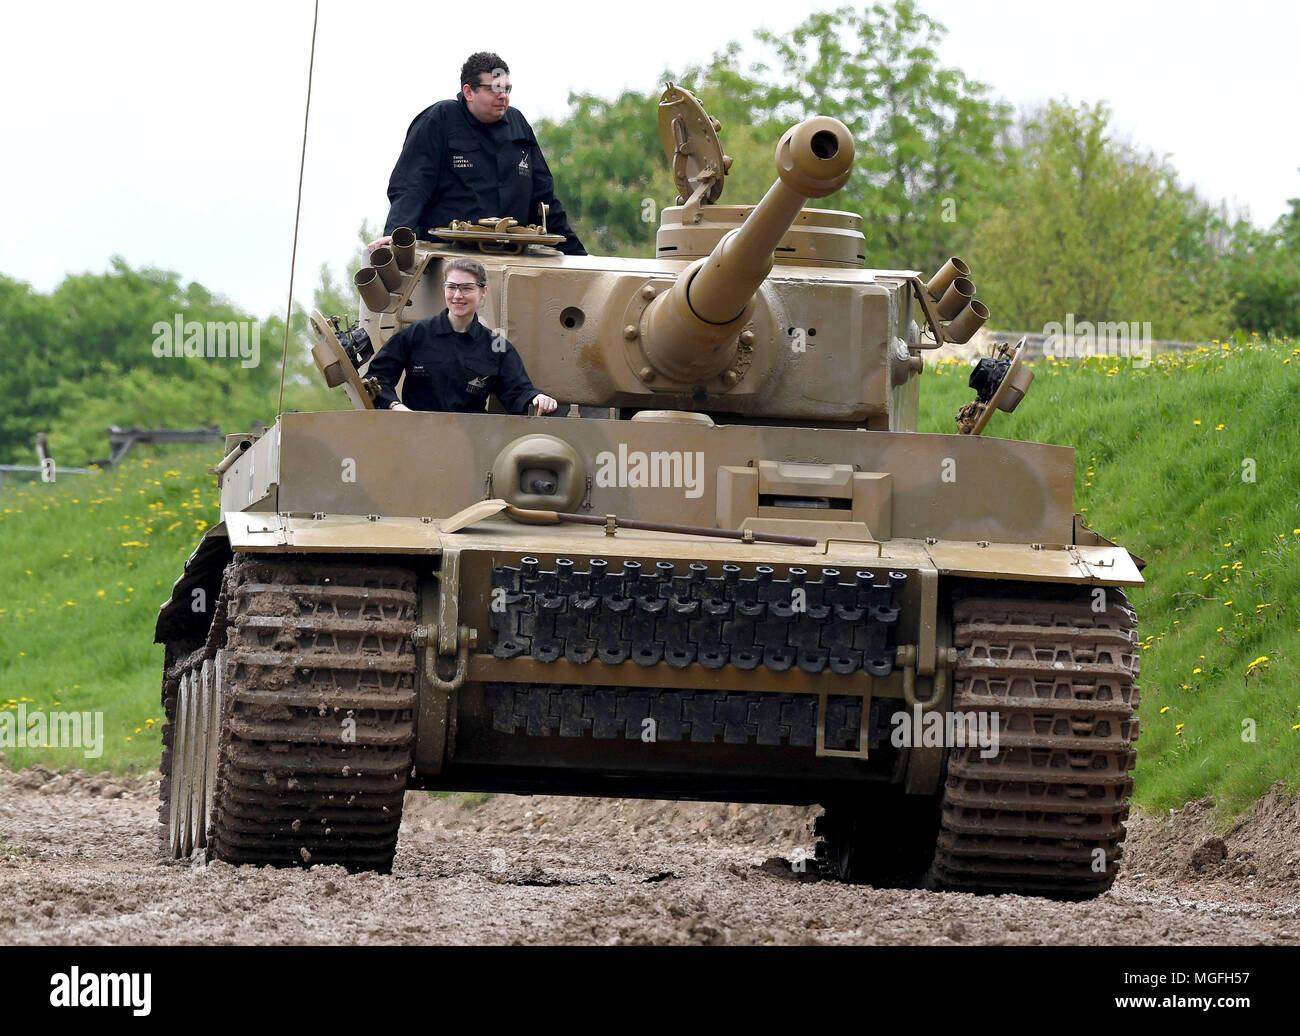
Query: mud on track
{"points": [[78, 864]]}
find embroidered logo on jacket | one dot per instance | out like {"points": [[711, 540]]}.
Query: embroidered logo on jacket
{"points": [[461, 162], [523, 168], [479, 384]]}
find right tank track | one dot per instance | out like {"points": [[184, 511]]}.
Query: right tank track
{"points": [[1045, 814], [294, 740]]}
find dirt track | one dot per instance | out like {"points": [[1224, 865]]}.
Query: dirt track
{"points": [[78, 865]]}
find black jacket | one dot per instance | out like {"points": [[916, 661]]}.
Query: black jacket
{"points": [[451, 370], [453, 166]]}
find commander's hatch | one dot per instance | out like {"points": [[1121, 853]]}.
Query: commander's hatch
{"points": [[690, 139]]}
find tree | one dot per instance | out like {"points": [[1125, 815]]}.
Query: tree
{"points": [[927, 137], [609, 170], [1098, 229], [1265, 275]]}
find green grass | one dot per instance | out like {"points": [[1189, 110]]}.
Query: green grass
{"points": [[84, 565], [1161, 455], [79, 587]]}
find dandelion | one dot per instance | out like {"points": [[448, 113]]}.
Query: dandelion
{"points": [[1196, 422], [1164, 710], [1260, 663], [1196, 670]]}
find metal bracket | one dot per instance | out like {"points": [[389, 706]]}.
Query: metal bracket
{"points": [[927, 656], [422, 637], [944, 664], [863, 723], [448, 601]]}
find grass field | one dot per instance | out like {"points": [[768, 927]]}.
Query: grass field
{"points": [[1193, 463]]}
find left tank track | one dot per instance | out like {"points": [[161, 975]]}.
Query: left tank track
{"points": [[289, 729]]}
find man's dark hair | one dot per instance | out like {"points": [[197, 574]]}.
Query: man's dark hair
{"points": [[476, 64]]}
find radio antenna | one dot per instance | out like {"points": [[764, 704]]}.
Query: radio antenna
{"points": [[293, 261]]}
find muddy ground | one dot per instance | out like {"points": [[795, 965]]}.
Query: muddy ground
{"points": [[78, 864]]}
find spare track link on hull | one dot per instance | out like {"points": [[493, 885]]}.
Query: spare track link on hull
{"points": [[809, 620], [317, 707], [708, 717], [1045, 815]]}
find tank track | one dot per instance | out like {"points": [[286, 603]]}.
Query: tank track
{"points": [[181, 658], [1045, 815], [658, 616], [317, 713]]}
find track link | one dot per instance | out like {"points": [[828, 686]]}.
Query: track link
{"points": [[317, 705], [1057, 666]]}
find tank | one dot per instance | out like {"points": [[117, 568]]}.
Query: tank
{"points": [[728, 568]]}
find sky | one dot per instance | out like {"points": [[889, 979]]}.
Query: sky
{"points": [[170, 133]]}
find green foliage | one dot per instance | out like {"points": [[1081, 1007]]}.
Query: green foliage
{"points": [[87, 357], [607, 163], [1095, 228], [927, 137], [1265, 275]]}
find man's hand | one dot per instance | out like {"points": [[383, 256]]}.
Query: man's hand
{"points": [[544, 403], [387, 239], [400, 406]]}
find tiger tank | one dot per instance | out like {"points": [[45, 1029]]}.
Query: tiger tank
{"points": [[727, 568]]}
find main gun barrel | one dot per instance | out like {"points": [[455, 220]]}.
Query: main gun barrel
{"points": [[691, 330]]}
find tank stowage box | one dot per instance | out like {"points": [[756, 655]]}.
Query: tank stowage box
{"points": [[728, 568]]}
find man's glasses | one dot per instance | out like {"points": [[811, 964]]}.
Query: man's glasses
{"points": [[496, 88], [463, 289]]}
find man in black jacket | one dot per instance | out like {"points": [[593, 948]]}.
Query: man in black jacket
{"points": [[473, 157], [451, 361]]}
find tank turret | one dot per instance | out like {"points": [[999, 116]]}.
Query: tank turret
{"points": [[690, 332]]}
